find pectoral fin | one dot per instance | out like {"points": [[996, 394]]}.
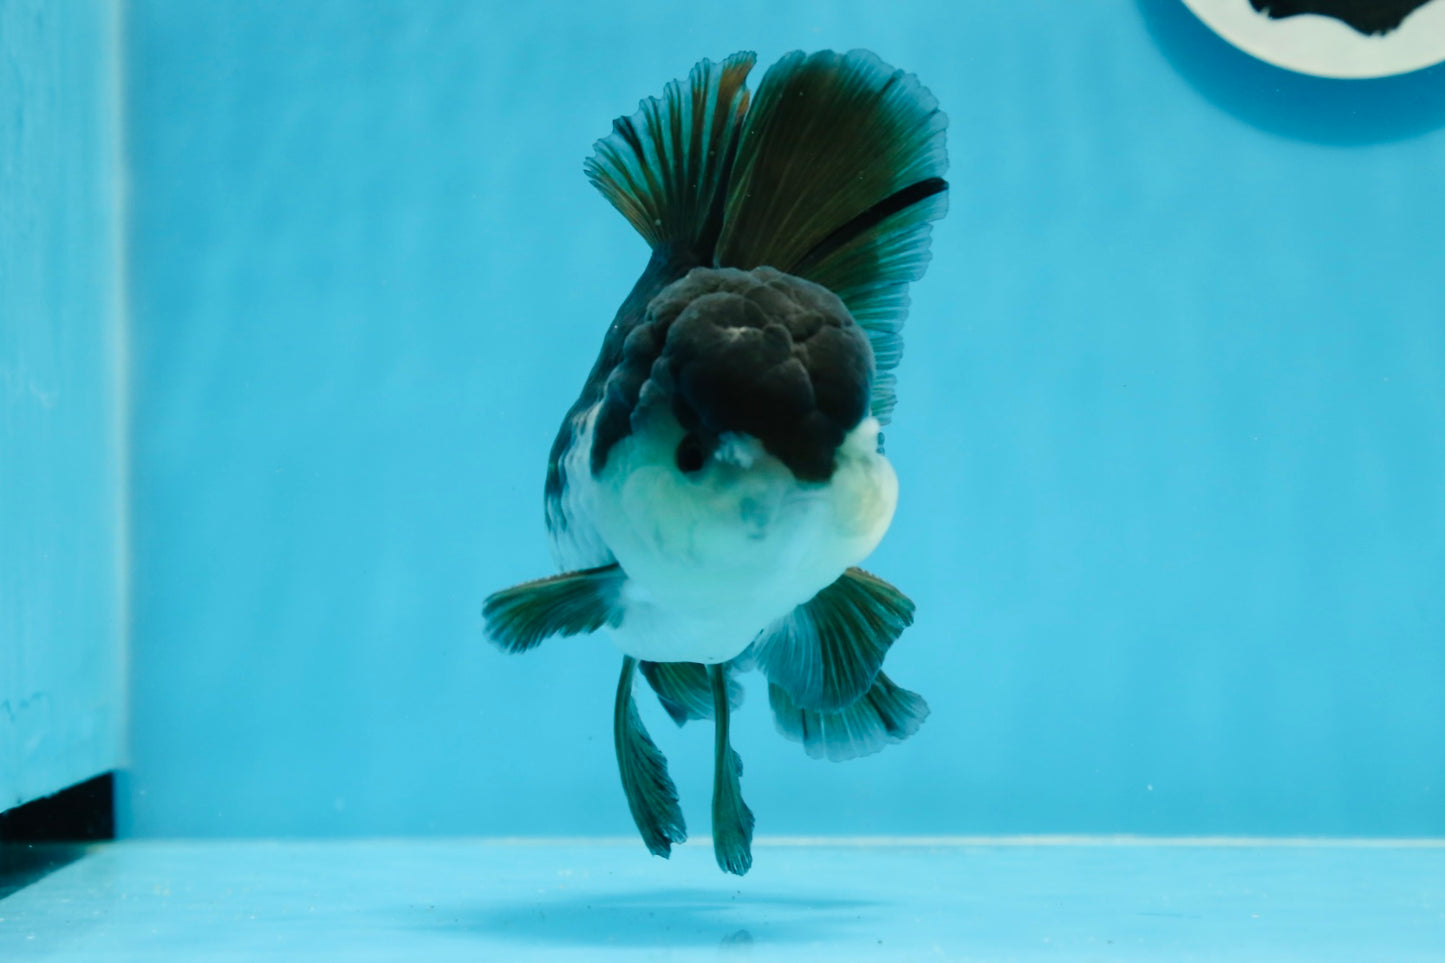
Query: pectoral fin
{"points": [[827, 651], [568, 604], [886, 714], [684, 690]]}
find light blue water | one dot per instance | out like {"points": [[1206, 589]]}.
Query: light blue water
{"points": [[1171, 438], [1169, 434]]}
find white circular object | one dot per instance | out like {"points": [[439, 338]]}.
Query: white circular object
{"points": [[1327, 45]]}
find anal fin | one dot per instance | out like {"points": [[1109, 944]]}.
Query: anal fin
{"points": [[685, 691], [572, 603]]}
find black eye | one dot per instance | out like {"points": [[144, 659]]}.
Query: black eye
{"points": [[690, 456]]}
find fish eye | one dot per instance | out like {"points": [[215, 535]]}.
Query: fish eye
{"points": [[690, 456]]}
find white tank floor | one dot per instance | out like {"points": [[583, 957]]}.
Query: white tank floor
{"points": [[958, 899]]}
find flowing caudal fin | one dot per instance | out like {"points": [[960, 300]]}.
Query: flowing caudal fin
{"points": [[886, 713], [827, 651], [833, 173], [651, 795], [666, 167], [685, 691], [838, 174], [519, 617]]}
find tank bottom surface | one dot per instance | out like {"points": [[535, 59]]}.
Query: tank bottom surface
{"points": [[440, 900]]}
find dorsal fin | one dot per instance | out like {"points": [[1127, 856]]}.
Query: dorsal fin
{"points": [[666, 167], [838, 174]]}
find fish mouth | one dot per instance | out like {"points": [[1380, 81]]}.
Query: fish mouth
{"points": [[697, 450], [735, 458]]}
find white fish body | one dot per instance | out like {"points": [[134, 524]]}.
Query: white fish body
{"points": [[714, 556]]}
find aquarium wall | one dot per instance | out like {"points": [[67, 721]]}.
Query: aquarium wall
{"points": [[62, 519], [1170, 434]]}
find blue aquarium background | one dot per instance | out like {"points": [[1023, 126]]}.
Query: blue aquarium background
{"points": [[1171, 428], [63, 545]]}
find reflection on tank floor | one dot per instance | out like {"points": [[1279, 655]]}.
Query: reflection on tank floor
{"points": [[950, 898]]}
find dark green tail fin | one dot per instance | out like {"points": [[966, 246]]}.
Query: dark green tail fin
{"points": [[833, 174], [666, 167], [838, 174]]}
